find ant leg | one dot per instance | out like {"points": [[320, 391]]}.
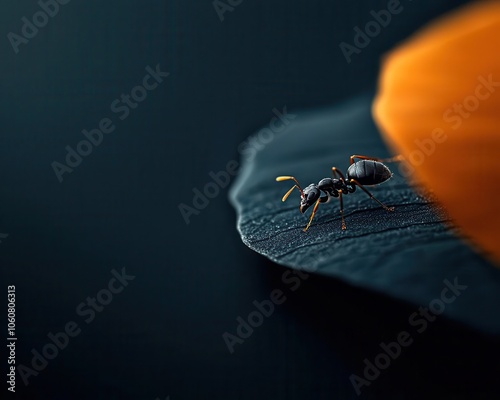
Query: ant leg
{"points": [[344, 227], [354, 181], [336, 171], [392, 159], [312, 215]]}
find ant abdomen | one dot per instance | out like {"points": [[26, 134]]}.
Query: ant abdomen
{"points": [[369, 172]]}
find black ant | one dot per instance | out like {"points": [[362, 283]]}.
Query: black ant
{"points": [[368, 171]]}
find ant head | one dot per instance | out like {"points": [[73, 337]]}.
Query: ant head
{"points": [[311, 195], [308, 196]]}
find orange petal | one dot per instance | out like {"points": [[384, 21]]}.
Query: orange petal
{"points": [[439, 106]]}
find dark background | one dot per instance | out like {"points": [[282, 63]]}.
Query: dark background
{"points": [[163, 334]]}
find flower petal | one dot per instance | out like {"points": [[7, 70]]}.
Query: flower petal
{"points": [[439, 106]]}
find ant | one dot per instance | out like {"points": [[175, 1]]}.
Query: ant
{"points": [[367, 171]]}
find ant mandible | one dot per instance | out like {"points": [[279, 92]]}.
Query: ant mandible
{"points": [[369, 171]]}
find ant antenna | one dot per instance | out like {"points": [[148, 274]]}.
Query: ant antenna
{"points": [[297, 185]]}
